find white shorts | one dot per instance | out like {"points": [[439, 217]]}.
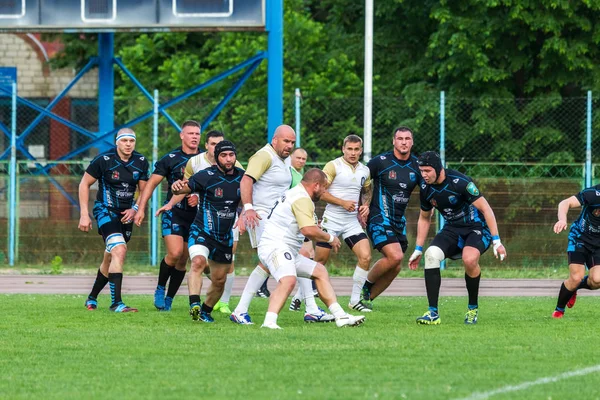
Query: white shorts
{"points": [[283, 262], [337, 226]]}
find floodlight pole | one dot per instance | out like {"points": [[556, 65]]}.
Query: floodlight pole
{"points": [[368, 105], [274, 26], [106, 86]]}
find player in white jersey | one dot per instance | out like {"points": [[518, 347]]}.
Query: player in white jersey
{"points": [[291, 219], [268, 177], [348, 179]]}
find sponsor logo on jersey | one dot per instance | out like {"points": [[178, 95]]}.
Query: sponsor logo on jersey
{"points": [[402, 185], [171, 155], [128, 233], [392, 175], [596, 212], [452, 199], [106, 158], [142, 158], [477, 232], [219, 192], [136, 174], [455, 180], [412, 176], [472, 189], [423, 186], [597, 193], [115, 175], [382, 157], [210, 172]]}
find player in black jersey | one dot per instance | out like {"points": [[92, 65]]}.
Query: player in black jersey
{"points": [[583, 249], [470, 226], [211, 237], [395, 174], [175, 222], [118, 172]]}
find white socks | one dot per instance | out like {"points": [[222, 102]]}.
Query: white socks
{"points": [[359, 278], [337, 310], [255, 281], [228, 286], [305, 285]]}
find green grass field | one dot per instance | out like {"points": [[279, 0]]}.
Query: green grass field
{"points": [[52, 348]]}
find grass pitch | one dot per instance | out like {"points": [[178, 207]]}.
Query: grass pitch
{"points": [[51, 347]]}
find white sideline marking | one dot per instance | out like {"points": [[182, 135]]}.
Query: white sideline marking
{"points": [[525, 385]]}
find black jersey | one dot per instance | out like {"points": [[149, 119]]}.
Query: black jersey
{"points": [[453, 198], [588, 221], [393, 182], [219, 195], [118, 179], [172, 166]]}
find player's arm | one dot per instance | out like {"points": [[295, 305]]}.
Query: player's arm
{"points": [[303, 209], [484, 207], [257, 166], [348, 205], [181, 187], [145, 194], [85, 222], [422, 230], [563, 209], [366, 194]]}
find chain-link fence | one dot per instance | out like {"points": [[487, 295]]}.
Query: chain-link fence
{"points": [[525, 154]]}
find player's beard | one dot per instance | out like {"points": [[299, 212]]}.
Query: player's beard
{"points": [[223, 168]]}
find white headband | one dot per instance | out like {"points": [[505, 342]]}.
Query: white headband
{"points": [[123, 135]]}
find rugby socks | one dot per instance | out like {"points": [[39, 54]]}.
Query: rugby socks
{"points": [[228, 287], [433, 281], [309, 298], [115, 282], [473, 290], [205, 308], [584, 284], [359, 278], [270, 318], [563, 297], [194, 300], [336, 310], [255, 280], [99, 284], [175, 282], [366, 289], [299, 295], [164, 273]]}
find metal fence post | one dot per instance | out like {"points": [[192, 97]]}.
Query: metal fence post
{"points": [[154, 207], [298, 136], [440, 219], [12, 208], [588, 142]]}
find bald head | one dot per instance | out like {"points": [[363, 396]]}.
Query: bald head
{"points": [[298, 159], [283, 141], [314, 175]]}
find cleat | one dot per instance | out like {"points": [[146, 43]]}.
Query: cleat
{"points": [[159, 297], [349, 320], [271, 326], [572, 300], [263, 291], [168, 304], [222, 307], [361, 306], [558, 314], [242, 319], [195, 312], [206, 317], [322, 316], [91, 304], [471, 316], [295, 305], [429, 318], [121, 307]]}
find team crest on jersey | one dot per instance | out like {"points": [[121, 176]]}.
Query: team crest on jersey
{"points": [[362, 181], [452, 199], [136, 174], [219, 192], [182, 170], [596, 212], [433, 202], [287, 256], [472, 189], [412, 176], [392, 175], [115, 175]]}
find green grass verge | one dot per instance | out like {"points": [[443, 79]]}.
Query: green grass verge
{"points": [[53, 348]]}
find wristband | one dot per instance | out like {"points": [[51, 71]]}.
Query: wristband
{"points": [[195, 194], [496, 237], [136, 207], [331, 238], [248, 206], [419, 248]]}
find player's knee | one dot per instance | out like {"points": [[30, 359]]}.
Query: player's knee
{"points": [[576, 276], [471, 260], [198, 264], [218, 281], [395, 259], [320, 272], [433, 257], [288, 283], [364, 260], [594, 281], [115, 244]]}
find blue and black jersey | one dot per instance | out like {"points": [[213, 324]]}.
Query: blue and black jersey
{"points": [[118, 179], [172, 166], [453, 199], [393, 182], [588, 222], [219, 195]]}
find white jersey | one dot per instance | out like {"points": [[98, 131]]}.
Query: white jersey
{"points": [[345, 182], [200, 162], [292, 211], [272, 177]]}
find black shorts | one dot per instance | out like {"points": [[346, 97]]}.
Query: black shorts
{"points": [[382, 234], [177, 222], [452, 240], [351, 241], [217, 251], [109, 222]]}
